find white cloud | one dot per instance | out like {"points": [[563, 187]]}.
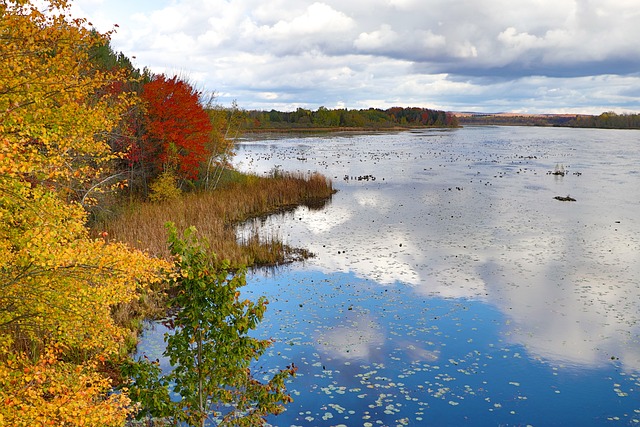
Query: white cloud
{"points": [[385, 37], [512, 39], [329, 52], [317, 19], [430, 40], [404, 4], [270, 96]]}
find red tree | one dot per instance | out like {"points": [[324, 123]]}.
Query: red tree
{"points": [[177, 127]]}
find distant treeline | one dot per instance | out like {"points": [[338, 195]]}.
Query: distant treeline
{"points": [[371, 118], [515, 120], [608, 120]]}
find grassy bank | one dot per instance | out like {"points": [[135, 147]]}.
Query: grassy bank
{"points": [[215, 214]]}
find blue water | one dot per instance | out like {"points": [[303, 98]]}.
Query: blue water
{"points": [[453, 289], [390, 357]]}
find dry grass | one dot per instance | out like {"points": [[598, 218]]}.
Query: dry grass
{"points": [[216, 213]]}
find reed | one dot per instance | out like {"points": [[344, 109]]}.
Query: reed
{"points": [[215, 214]]}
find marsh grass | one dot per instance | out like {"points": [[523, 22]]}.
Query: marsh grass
{"points": [[215, 214]]}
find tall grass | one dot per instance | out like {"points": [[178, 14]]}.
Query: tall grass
{"points": [[215, 215]]}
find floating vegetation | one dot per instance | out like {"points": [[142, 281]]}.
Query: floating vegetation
{"points": [[430, 306], [359, 178], [566, 198], [559, 170]]}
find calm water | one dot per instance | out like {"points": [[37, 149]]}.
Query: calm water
{"points": [[449, 287]]}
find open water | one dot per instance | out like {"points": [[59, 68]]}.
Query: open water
{"points": [[449, 286]]}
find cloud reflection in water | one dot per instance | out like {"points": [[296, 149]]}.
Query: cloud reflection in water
{"points": [[470, 214]]}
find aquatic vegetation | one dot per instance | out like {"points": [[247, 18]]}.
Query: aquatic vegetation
{"points": [[429, 305], [216, 213], [567, 198]]}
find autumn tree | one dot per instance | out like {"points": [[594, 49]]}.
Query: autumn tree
{"points": [[177, 129], [58, 286], [163, 139]]}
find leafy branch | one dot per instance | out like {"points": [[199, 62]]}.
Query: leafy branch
{"points": [[209, 349]]}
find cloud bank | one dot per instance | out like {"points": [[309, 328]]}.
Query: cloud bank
{"points": [[490, 55]]}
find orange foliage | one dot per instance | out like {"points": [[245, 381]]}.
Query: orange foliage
{"points": [[177, 127], [52, 392]]}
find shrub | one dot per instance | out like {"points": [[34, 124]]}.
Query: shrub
{"points": [[165, 187]]}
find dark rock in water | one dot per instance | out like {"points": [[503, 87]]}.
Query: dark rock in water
{"points": [[565, 199]]}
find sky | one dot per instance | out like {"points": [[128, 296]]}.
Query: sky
{"points": [[525, 56]]}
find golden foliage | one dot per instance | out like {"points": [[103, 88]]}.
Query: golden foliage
{"points": [[57, 285], [165, 187], [54, 106]]}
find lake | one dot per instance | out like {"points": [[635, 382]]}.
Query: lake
{"points": [[449, 287]]}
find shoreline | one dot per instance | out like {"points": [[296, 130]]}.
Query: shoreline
{"points": [[342, 129]]}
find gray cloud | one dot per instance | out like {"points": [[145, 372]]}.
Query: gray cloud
{"points": [[451, 54]]}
